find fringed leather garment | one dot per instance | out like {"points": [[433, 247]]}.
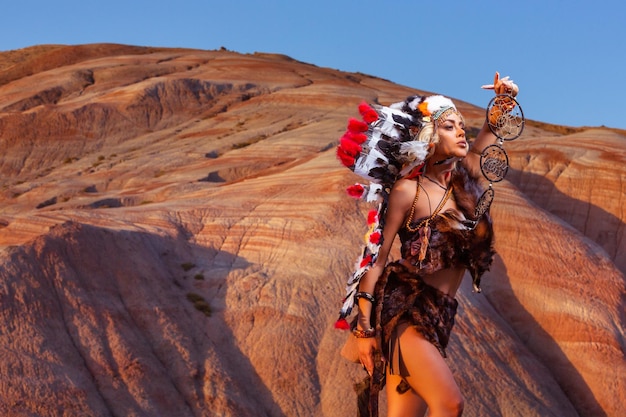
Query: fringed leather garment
{"points": [[402, 296]]}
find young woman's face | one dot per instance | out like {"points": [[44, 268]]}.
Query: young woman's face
{"points": [[452, 141]]}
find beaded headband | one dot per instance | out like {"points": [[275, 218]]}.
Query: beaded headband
{"points": [[436, 108], [440, 112], [441, 116]]}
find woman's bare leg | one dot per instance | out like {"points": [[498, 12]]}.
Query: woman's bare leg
{"points": [[400, 405], [430, 378]]}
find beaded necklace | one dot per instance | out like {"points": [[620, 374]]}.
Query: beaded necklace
{"points": [[427, 220], [423, 228]]}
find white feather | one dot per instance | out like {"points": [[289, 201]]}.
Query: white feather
{"points": [[370, 161], [374, 192], [437, 102], [387, 127], [414, 150]]}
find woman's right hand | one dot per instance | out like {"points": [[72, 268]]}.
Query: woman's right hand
{"points": [[503, 104], [367, 346], [502, 86]]}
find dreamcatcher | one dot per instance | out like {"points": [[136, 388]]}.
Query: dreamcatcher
{"points": [[505, 119]]}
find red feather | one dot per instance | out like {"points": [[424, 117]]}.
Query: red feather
{"points": [[342, 324], [356, 137], [375, 238], [370, 117], [368, 113], [349, 146], [366, 261], [356, 126], [415, 172], [364, 107], [372, 217], [345, 159], [355, 190]]}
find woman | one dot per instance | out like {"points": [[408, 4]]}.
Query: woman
{"points": [[406, 308]]}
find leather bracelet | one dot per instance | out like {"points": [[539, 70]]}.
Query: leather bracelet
{"points": [[364, 334], [369, 297]]}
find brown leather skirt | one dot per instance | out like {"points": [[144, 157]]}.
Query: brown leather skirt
{"points": [[403, 297], [407, 298]]}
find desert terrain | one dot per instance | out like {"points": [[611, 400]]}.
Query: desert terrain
{"points": [[175, 239]]}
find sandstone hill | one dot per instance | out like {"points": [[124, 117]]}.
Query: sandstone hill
{"points": [[175, 238]]}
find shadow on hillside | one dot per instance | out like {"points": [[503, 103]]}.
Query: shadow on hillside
{"points": [[542, 191], [173, 352], [547, 351], [240, 374]]}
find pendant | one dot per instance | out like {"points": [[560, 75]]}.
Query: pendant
{"points": [[424, 237]]}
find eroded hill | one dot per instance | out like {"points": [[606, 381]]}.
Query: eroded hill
{"points": [[175, 239]]}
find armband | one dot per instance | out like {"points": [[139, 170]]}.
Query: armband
{"points": [[364, 334], [369, 297]]}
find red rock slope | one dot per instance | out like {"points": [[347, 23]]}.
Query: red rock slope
{"points": [[175, 238]]}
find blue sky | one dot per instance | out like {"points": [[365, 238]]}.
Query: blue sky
{"points": [[568, 57]]}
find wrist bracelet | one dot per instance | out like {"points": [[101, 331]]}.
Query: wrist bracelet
{"points": [[364, 334], [369, 297]]}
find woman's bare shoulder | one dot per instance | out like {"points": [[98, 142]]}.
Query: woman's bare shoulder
{"points": [[405, 185], [403, 191]]}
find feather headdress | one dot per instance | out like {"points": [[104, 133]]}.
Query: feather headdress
{"points": [[381, 148]]}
